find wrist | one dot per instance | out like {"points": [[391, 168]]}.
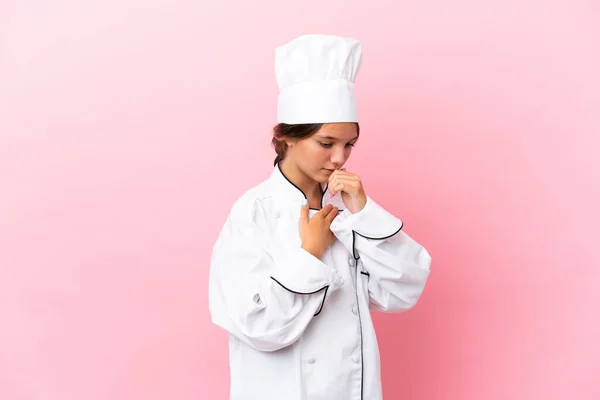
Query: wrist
{"points": [[358, 204], [312, 249]]}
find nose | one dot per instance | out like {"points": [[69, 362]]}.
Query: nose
{"points": [[338, 157]]}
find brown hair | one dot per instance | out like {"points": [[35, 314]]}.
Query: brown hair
{"points": [[294, 131]]}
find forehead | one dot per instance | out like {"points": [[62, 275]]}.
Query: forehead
{"points": [[343, 131]]}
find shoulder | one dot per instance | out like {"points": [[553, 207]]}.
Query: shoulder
{"points": [[250, 205]]}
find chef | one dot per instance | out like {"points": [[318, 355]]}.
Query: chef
{"points": [[306, 254]]}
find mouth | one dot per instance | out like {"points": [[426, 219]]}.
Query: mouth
{"points": [[329, 171]]}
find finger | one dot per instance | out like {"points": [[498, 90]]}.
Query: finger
{"points": [[333, 180], [334, 185], [346, 179], [341, 172], [332, 214], [334, 174], [325, 210], [349, 177], [338, 187], [331, 185], [304, 211], [349, 184]]}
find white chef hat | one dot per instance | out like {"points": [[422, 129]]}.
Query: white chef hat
{"points": [[316, 75]]}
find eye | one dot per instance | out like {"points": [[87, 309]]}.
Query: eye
{"points": [[326, 145], [350, 144]]}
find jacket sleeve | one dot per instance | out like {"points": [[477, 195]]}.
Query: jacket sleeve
{"points": [[263, 294], [397, 267]]}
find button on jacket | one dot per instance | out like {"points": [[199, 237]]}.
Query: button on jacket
{"points": [[300, 327]]}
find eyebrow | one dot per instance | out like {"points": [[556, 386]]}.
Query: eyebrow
{"points": [[332, 138]]}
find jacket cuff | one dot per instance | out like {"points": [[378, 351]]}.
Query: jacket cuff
{"points": [[372, 222], [303, 273]]}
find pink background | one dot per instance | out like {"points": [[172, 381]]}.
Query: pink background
{"points": [[120, 119]]}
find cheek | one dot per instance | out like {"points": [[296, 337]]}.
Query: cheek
{"points": [[318, 152], [324, 155], [311, 155], [347, 153]]}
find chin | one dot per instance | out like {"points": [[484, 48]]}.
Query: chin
{"points": [[321, 177]]}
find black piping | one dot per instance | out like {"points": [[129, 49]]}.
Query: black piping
{"points": [[316, 291], [291, 183], [381, 238], [354, 233], [323, 194], [362, 358], [356, 257], [301, 191], [354, 246], [322, 302]]}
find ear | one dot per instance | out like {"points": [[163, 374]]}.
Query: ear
{"points": [[290, 142]]}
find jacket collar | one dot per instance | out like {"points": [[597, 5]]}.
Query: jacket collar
{"points": [[287, 190]]}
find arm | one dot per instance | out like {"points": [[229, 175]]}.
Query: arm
{"points": [[265, 296], [398, 266]]}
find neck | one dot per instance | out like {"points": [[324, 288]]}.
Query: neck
{"points": [[309, 186]]}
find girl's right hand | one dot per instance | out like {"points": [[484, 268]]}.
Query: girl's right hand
{"points": [[314, 232]]}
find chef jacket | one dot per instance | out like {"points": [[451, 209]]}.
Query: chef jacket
{"points": [[299, 326]]}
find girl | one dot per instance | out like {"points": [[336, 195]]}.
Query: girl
{"points": [[306, 254]]}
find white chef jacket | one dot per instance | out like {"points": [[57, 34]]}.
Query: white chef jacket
{"points": [[300, 327]]}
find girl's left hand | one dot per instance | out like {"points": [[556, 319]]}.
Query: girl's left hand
{"points": [[351, 188]]}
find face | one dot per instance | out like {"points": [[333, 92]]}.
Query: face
{"points": [[325, 151]]}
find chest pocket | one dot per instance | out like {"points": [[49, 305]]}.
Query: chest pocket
{"points": [[363, 278]]}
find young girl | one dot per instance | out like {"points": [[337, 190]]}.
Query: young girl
{"points": [[306, 254]]}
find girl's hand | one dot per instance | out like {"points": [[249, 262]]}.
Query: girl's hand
{"points": [[314, 232], [350, 187]]}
